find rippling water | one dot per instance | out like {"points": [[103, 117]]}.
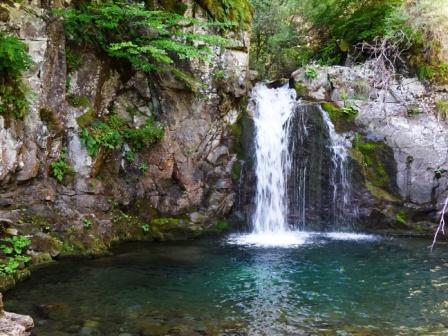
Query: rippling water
{"points": [[326, 286]]}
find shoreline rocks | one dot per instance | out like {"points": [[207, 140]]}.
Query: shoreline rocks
{"points": [[12, 324]]}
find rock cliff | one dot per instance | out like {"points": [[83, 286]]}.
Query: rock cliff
{"points": [[179, 187], [399, 138]]}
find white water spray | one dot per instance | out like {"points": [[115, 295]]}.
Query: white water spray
{"points": [[273, 115], [342, 202], [272, 109]]}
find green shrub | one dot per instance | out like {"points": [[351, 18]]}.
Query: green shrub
{"points": [[235, 11], [113, 132], [73, 58], [401, 217], [310, 72], [87, 223], [60, 168], [12, 253], [350, 111], [14, 60], [146, 228], [148, 39], [13, 99]]}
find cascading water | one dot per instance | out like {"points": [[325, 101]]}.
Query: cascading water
{"points": [[302, 170], [343, 209], [272, 109]]}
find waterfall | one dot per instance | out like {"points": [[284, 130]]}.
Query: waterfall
{"points": [[342, 207], [302, 168], [272, 109]]}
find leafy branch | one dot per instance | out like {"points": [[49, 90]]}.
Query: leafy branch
{"points": [[150, 40]]}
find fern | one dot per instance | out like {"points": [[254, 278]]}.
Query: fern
{"points": [[148, 39]]}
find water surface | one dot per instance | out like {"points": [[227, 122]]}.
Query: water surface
{"points": [[323, 287]]}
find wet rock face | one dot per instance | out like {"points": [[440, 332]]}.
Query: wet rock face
{"points": [[402, 154], [186, 175], [14, 324]]}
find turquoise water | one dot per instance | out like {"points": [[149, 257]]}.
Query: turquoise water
{"points": [[324, 287]]}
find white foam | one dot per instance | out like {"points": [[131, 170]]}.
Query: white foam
{"points": [[271, 239], [294, 238], [350, 236]]}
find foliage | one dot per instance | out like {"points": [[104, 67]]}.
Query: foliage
{"points": [[288, 34], [60, 168], [143, 167], [73, 58], [439, 172], [149, 39], [146, 228], [78, 101], [350, 110], [401, 217], [87, 223], [113, 132], [442, 108], [14, 60], [13, 99], [236, 172], [277, 45], [342, 24], [235, 11], [370, 155], [165, 221], [13, 253], [310, 72]]}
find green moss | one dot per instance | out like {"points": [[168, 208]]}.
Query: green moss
{"points": [[85, 119], [73, 59], [13, 99], [401, 217], [78, 101], [236, 171], [369, 155], [334, 112], [237, 11], [165, 221], [301, 89], [442, 108], [174, 6], [381, 193], [222, 225], [237, 131]]}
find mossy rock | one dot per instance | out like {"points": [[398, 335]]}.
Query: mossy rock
{"points": [[236, 171], [85, 119], [342, 118], [78, 101], [301, 90], [165, 222], [175, 6], [378, 168], [221, 226], [238, 11]]}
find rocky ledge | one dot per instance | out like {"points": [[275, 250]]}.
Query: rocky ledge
{"points": [[14, 324]]}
